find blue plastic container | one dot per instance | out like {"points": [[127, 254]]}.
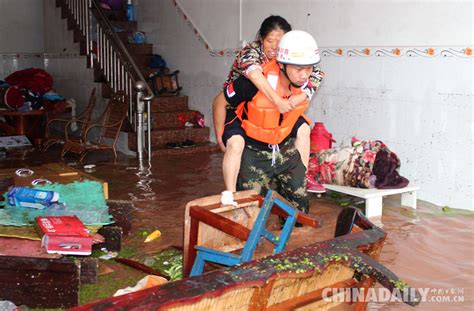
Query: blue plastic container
{"points": [[31, 198]]}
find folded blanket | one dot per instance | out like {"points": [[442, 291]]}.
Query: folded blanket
{"points": [[366, 164]]}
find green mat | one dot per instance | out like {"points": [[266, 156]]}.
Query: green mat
{"points": [[82, 198]]}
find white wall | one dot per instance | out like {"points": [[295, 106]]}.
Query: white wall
{"points": [[421, 105], [72, 78], [32, 34], [21, 26], [21, 35]]}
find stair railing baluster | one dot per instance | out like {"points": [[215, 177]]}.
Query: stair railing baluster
{"points": [[113, 59]]}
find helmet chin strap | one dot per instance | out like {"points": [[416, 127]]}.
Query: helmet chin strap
{"points": [[286, 75]]}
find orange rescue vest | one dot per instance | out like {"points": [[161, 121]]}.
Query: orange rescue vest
{"points": [[263, 121]]}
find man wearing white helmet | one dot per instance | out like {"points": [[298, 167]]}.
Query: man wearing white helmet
{"points": [[270, 155]]}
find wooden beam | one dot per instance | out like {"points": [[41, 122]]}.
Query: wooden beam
{"points": [[310, 297], [39, 282]]}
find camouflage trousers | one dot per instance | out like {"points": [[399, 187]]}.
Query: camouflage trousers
{"points": [[286, 176]]}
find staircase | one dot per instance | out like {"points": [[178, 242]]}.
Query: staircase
{"points": [[164, 109]]}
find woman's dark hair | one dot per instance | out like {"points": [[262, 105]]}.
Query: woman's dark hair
{"points": [[273, 22]]}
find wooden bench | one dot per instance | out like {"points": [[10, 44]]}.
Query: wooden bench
{"points": [[373, 197]]}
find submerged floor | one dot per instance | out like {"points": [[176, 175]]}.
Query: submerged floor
{"points": [[428, 248]]}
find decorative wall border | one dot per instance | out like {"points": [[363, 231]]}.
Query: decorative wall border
{"points": [[39, 55], [427, 52]]}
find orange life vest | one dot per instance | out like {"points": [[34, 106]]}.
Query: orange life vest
{"points": [[263, 121]]}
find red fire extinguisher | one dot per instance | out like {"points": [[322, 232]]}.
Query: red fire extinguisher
{"points": [[320, 138]]}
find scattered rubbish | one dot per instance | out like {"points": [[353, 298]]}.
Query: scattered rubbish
{"points": [[108, 255], [12, 142], [38, 181], [138, 37], [24, 172], [89, 167], [149, 262], [104, 269], [147, 282], [32, 198], [152, 236], [64, 235], [169, 262]]}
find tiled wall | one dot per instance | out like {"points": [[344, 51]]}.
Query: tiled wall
{"points": [[393, 72]]}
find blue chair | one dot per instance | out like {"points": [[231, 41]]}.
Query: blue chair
{"points": [[258, 231]]}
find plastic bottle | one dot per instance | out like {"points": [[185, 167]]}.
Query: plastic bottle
{"points": [[32, 198], [130, 11]]}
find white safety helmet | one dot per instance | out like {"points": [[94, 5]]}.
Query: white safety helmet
{"points": [[298, 47]]}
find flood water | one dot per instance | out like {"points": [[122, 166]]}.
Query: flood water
{"points": [[428, 248]]}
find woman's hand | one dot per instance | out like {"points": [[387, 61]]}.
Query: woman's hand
{"points": [[283, 105]]}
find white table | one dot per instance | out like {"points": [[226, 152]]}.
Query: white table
{"points": [[373, 197]]}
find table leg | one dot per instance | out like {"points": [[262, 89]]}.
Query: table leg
{"points": [[373, 207], [409, 199], [20, 125]]}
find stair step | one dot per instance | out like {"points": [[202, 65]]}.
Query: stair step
{"points": [[139, 49], [163, 120], [159, 138], [125, 25], [115, 15], [142, 60], [207, 147], [169, 104], [124, 36]]}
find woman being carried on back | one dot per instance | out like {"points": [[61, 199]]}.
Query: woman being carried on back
{"points": [[247, 67]]}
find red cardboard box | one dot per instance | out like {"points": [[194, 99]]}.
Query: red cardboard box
{"points": [[64, 235]]}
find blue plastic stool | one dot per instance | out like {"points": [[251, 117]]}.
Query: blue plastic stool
{"points": [[227, 259]]}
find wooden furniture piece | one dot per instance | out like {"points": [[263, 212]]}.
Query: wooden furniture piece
{"points": [[23, 123], [109, 126], [40, 282], [165, 84], [373, 197], [314, 277], [230, 231], [55, 136], [205, 254]]}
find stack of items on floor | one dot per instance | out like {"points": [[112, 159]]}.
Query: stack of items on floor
{"points": [[188, 120], [365, 164], [59, 211], [30, 89], [50, 211]]}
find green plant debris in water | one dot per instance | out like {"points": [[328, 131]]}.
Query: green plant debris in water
{"points": [[143, 233], [106, 286], [128, 251], [168, 262], [399, 284]]}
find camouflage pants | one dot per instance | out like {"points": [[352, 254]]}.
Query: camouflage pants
{"points": [[286, 176]]}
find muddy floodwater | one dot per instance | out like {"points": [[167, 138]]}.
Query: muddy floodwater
{"points": [[431, 248]]}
